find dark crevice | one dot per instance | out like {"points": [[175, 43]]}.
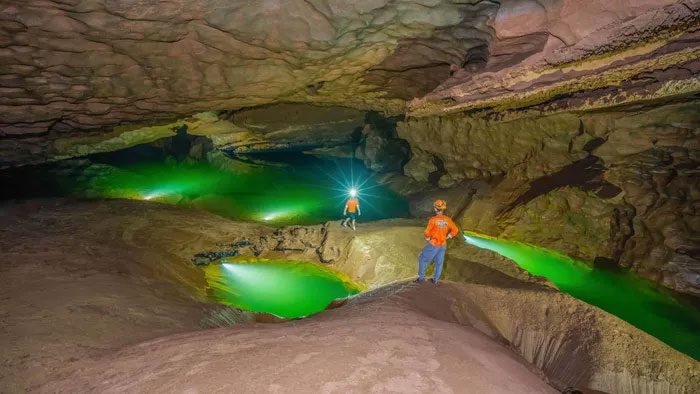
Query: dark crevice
{"points": [[592, 144], [585, 174], [434, 177]]}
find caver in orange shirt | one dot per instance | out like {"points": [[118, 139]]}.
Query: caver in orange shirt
{"points": [[352, 205], [438, 228]]}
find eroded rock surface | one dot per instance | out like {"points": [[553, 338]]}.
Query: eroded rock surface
{"points": [[560, 55], [381, 343], [129, 271], [617, 186], [113, 67], [78, 279], [68, 66]]}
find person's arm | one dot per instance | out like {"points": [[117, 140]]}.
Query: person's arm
{"points": [[429, 230], [453, 230], [359, 213], [345, 210]]}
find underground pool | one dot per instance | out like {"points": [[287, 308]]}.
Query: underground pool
{"points": [[284, 288], [278, 189], [670, 317]]}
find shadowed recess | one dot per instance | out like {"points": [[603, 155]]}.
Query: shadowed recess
{"points": [[294, 189]]}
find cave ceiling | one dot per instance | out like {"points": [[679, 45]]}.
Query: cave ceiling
{"points": [[77, 67]]}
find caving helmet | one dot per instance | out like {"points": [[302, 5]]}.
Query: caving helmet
{"points": [[440, 205]]}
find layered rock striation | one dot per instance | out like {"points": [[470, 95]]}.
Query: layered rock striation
{"points": [[561, 56], [70, 66], [609, 187]]}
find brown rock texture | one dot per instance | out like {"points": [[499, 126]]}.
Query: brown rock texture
{"points": [[381, 343], [101, 296], [79, 279], [615, 186], [68, 66], [71, 67], [553, 56]]}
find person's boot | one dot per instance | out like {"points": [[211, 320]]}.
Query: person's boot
{"points": [[342, 223], [353, 227], [419, 280], [433, 281]]}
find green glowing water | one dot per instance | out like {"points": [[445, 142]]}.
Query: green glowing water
{"points": [[300, 189], [667, 316], [288, 289]]}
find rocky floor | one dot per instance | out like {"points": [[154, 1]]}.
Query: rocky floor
{"points": [[78, 279], [386, 344], [100, 296]]}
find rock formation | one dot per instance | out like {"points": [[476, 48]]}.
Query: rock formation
{"points": [[568, 125], [70, 66], [563, 56], [85, 70], [616, 186], [78, 276]]}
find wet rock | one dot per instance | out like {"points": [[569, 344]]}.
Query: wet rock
{"points": [[205, 258]]}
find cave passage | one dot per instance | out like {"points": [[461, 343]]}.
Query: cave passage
{"points": [[670, 317], [295, 188], [288, 289]]}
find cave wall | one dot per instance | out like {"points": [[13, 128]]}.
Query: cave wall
{"points": [[71, 67], [580, 116], [608, 187], [560, 55], [75, 72]]}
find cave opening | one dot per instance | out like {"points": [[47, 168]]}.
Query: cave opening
{"points": [[276, 187]]}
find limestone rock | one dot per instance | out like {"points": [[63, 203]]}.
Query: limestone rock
{"points": [[457, 198], [421, 165], [569, 220], [293, 126], [634, 209], [380, 148], [473, 148], [71, 66], [549, 56]]}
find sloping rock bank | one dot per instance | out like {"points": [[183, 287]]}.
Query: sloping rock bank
{"points": [[409, 338], [82, 280], [378, 344], [79, 279]]}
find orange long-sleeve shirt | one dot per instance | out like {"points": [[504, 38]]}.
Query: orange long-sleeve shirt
{"points": [[438, 228], [352, 205]]}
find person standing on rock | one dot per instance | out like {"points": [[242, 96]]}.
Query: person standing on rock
{"points": [[440, 229], [352, 209]]}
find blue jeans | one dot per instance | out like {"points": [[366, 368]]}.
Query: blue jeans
{"points": [[428, 254]]}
